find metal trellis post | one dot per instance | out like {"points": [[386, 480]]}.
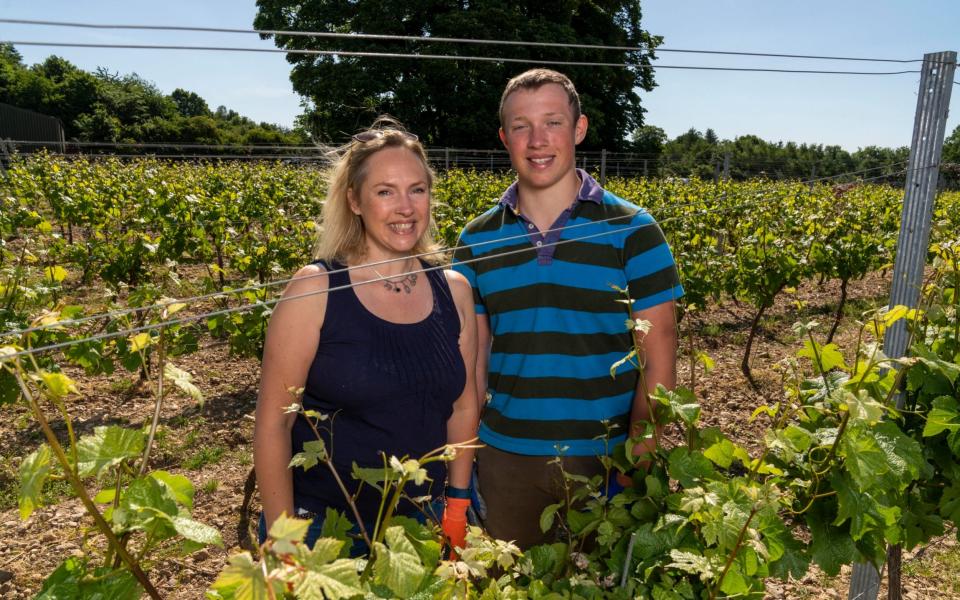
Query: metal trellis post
{"points": [[929, 127], [603, 167]]}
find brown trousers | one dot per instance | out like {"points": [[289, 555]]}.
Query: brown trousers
{"points": [[517, 487]]}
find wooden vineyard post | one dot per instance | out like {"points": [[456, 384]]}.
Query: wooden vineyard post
{"points": [[923, 168]]}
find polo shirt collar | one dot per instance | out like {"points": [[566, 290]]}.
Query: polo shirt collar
{"points": [[590, 191]]}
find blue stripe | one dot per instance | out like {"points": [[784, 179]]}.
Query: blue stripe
{"points": [[547, 318], [559, 409], [467, 271], [557, 365], [651, 261], [576, 447], [568, 274]]}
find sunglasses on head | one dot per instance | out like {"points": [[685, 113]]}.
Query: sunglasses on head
{"points": [[375, 134]]}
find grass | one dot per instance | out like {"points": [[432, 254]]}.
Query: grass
{"points": [[937, 562], [122, 386], [210, 486], [9, 484], [244, 457], [203, 457]]}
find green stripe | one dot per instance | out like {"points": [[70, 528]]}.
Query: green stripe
{"points": [[568, 344], [562, 387], [643, 239], [604, 210], [596, 254], [565, 429], [651, 284], [491, 221], [539, 295], [523, 252], [462, 253]]}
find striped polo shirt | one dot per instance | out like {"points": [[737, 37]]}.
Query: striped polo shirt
{"points": [[556, 321]]}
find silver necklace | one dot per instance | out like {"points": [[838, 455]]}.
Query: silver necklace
{"points": [[406, 283]]}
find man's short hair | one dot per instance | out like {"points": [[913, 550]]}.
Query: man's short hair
{"points": [[537, 78]]}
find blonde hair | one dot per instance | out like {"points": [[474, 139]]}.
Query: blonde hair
{"points": [[342, 236], [535, 79]]}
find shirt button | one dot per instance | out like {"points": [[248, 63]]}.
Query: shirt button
{"points": [[539, 244], [530, 226]]}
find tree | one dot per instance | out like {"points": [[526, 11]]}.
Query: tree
{"points": [[689, 154], [951, 158], [649, 140], [449, 102], [951, 147], [189, 104]]}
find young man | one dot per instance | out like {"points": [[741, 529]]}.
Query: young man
{"points": [[543, 263]]}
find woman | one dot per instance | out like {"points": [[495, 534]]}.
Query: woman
{"points": [[383, 348]]}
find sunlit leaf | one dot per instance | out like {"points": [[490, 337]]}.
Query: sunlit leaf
{"points": [[108, 446], [183, 380], [33, 474]]}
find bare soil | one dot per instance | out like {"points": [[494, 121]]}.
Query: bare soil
{"points": [[212, 446]]}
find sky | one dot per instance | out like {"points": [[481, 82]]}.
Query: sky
{"points": [[845, 110]]}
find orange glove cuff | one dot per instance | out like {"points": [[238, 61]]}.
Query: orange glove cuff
{"points": [[456, 509]]}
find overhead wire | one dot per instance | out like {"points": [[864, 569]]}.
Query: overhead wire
{"points": [[267, 303], [401, 55], [411, 38]]}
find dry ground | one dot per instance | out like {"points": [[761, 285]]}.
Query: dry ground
{"points": [[212, 447]]}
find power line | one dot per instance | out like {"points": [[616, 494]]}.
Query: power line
{"points": [[82, 144], [448, 57], [257, 287], [322, 53], [411, 38]]}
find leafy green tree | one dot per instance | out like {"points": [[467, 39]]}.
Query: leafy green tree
{"points": [[451, 102], [710, 136], [950, 159], [99, 125], [189, 104], [951, 147], [108, 107], [649, 140], [689, 154]]}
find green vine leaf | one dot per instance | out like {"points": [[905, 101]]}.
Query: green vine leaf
{"points": [[178, 485], [688, 467], [184, 381], [58, 384], [334, 581], [832, 547], [242, 579], [286, 531], [147, 505], [397, 564], [943, 416], [73, 579], [34, 471], [314, 452], [548, 515], [107, 447], [824, 358], [196, 531]]}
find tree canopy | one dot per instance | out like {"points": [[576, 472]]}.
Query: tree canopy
{"points": [[454, 102], [107, 107], [702, 155]]}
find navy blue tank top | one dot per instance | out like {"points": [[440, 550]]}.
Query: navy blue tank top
{"points": [[387, 387]]}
